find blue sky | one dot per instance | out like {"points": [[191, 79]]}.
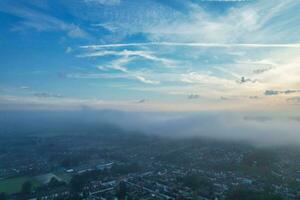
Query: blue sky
{"points": [[184, 55]]}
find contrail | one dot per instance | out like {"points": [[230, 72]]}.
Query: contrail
{"points": [[208, 45]]}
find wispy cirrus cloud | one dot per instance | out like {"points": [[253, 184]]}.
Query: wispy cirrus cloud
{"points": [[126, 75], [118, 65], [249, 22], [124, 58], [129, 53], [103, 2], [40, 21], [252, 23], [47, 95]]}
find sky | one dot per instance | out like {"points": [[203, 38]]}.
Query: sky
{"points": [[150, 55]]}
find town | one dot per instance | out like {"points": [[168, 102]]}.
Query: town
{"points": [[139, 166]]}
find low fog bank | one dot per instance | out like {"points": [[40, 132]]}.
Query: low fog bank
{"points": [[258, 128]]}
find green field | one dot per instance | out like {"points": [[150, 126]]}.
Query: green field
{"points": [[64, 176], [14, 185]]}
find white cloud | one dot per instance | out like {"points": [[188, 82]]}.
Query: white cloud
{"points": [[204, 78], [108, 26], [24, 87], [144, 80], [130, 53], [68, 50]]}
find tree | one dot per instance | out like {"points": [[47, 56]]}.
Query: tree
{"points": [[245, 194], [121, 192], [125, 168], [26, 188], [3, 196], [77, 183], [199, 184], [54, 183]]}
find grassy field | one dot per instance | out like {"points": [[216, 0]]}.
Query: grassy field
{"points": [[14, 185], [64, 176], [60, 176]]}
